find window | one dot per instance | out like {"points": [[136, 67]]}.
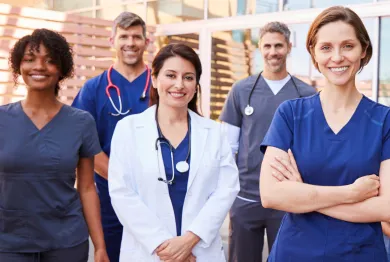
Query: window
{"points": [[303, 4], [384, 63], [174, 11], [226, 8], [299, 60], [60, 5], [110, 12]]}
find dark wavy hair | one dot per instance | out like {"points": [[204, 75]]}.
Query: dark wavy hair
{"points": [[57, 47], [186, 53]]}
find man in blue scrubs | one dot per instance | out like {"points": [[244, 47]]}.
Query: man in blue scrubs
{"points": [[248, 218], [130, 74]]}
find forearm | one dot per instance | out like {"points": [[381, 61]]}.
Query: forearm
{"points": [[293, 195], [370, 210], [296, 197], [91, 210], [101, 164]]}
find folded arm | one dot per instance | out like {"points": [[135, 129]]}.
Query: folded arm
{"points": [[370, 210], [294, 196]]}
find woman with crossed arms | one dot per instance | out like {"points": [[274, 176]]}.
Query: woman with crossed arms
{"points": [[326, 154]]}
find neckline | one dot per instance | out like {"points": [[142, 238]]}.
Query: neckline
{"points": [[32, 122], [135, 79], [349, 124], [270, 89]]}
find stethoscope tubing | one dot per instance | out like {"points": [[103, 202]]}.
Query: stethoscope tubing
{"points": [[161, 139], [257, 80], [111, 85]]}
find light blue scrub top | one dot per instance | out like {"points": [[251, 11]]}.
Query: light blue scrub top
{"points": [[92, 98], [329, 159]]}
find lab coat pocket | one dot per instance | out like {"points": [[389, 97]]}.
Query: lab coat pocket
{"points": [[14, 222]]}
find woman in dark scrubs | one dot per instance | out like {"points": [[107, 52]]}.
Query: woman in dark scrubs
{"points": [[43, 144]]}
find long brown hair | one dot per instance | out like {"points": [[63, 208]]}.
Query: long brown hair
{"points": [[186, 53]]}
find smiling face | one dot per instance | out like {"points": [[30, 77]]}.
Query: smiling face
{"points": [[176, 82], [38, 70], [274, 49], [338, 53], [130, 45]]}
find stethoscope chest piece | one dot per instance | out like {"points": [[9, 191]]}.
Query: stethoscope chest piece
{"points": [[182, 166], [248, 110]]}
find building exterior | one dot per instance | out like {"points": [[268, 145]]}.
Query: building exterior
{"points": [[225, 34]]}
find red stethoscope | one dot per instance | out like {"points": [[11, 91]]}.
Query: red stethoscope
{"points": [[111, 85]]}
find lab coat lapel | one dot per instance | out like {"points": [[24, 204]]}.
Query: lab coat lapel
{"points": [[146, 135], [198, 143]]}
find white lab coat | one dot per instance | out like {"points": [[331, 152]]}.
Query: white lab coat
{"points": [[142, 203]]}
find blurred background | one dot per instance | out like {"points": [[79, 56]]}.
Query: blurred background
{"points": [[223, 32]]}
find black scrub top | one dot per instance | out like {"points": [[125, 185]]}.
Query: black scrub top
{"points": [[40, 208]]}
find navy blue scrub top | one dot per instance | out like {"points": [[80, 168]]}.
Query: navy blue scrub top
{"points": [[92, 98], [178, 190], [40, 208], [328, 159]]}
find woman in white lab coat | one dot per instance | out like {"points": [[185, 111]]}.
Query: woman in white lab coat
{"points": [[172, 178]]}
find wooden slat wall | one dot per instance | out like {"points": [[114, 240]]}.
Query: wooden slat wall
{"points": [[89, 38], [230, 62]]}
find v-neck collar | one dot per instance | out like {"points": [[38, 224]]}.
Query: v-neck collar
{"points": [[268, 88], [122, 78], [47, 125], [182, 142], [349, 125]]}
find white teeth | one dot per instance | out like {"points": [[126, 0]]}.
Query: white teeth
{"points": [[339, 69], [177, 94], [38, 77]]}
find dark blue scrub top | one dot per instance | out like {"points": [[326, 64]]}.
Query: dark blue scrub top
{"points": [[92, 98], [329, 159], [178, 190], [40, 209]]}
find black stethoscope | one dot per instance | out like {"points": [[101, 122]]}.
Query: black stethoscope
{"points": [[249, 109], [181, 166], [119, 111]]}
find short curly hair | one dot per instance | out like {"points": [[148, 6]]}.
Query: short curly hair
{"points": [[57, 47]]}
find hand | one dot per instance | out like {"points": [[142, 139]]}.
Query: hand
{"points": [[286, 169], [364, 187], [191, 258], [178, 248], [101, 255]]}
